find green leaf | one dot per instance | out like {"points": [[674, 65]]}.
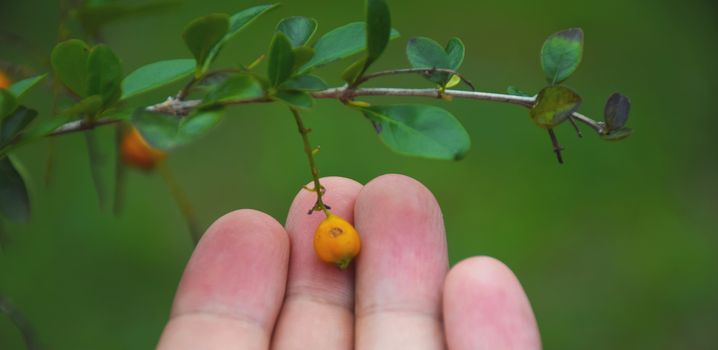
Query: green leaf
{"points": [[8, 103], [202, 35], [352, 72], [455, 50], [561, 54], [88, 106], [616, 111], [156, 75], [378, 28], [426, 53], [553, 105], [296, 98], [69, 60], [281, 59], [13, 124], [14, 198], [339, 43], [512, 90], [307, 82], [104, 74], [198, 124], [166, 131], [302, 55], [21, 87], [236, 87], [298, 29], [237, 22], [420, 130], [616, 135]]}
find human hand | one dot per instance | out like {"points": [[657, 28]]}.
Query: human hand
{"points": [[253, 284]]}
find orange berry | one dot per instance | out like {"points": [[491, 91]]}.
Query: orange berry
{"points": [[5, 81], [336, 241], [136, 152]]}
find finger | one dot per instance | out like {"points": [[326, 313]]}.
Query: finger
{"points": [[232, 287], [318, 311], [486, 308], [401, 268]]}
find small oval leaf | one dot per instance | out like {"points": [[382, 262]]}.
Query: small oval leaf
{"points": [[426, 53], [236, 87], [156, 75], [553, 105], [166, 131], [307, 82], [561, 54], [281, 59], [420, 130], [616, 111], [69, 61], [296, 98], [378, 24], [455, 50], [104, 74], [237, 22], [339, 43], [298, 29], [22, 87], [202, 35]]}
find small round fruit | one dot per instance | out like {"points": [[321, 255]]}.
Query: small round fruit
{"points": [[336, 241], [5, 81], [136, 152]]}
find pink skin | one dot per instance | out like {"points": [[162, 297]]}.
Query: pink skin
{"points": [[247, 287]]}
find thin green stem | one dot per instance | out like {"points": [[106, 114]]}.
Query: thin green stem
{"points": [[182, 202], [318, 189]]}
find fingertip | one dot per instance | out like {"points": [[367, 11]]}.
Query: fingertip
{"points": [[485, 307], [238, 268], [402, 266], [400, 192]]}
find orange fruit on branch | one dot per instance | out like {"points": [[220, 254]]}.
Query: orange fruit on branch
{"points": [[336, 241], [5, 81], [136, 152]]}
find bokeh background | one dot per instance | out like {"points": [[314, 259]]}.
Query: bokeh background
{"points": [[617, 248]]}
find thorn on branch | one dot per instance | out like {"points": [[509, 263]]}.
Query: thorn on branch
{"points": [[575, 127], [556, 146]]}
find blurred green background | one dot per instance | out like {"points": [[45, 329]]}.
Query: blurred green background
{"points": [[617, 248]]}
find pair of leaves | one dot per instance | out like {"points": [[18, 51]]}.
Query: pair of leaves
{"points": [[426, 53], [561, 54], [205, 36], [287, 53], [419, 130], [88, 72], [615, 116]]}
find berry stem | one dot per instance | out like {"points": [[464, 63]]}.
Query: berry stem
{"points": [[182, 201], [318, 189]]}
